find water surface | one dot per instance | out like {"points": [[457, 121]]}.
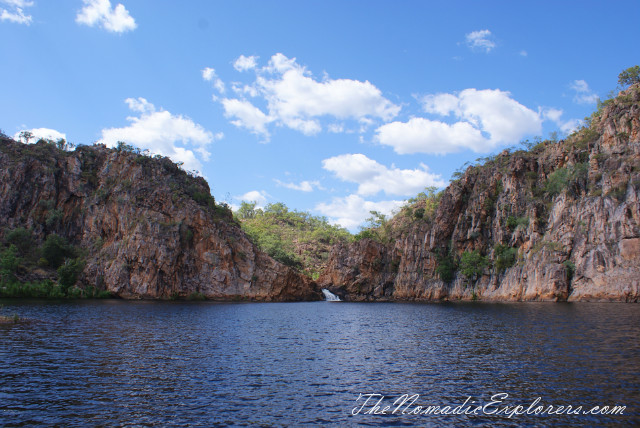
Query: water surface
{"points": [[122, 363]]}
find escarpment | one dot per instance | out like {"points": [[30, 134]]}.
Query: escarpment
{"points": [[559, 221], [144, 227]]}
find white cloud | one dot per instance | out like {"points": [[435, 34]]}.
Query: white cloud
{"points": [[584, 95], [100, 13], [485, 119], [373, 177], [296, 100], [351, 211], [160, 132], [15, 12], [258, 196], [209, 74], [523, 53], [304, 186], [420, 135], [42, 133], [480, 40], [246, 115], [244, 63], [555, 115]]}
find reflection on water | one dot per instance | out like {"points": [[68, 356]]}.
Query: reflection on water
{"points": [[172, 363]]}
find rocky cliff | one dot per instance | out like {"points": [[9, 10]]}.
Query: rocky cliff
{"points": [[146, 228], [559, 221]]}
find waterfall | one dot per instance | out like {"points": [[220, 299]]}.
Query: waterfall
{"points": [[329, 296]]}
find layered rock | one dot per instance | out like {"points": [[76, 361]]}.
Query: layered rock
{"points": [[578, 242], [147, 228]]}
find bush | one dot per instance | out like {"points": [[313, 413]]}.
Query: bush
{"points": [[557, 181], [22, 239], [8, 264], [571, 269], [446, 268], [513, 222], [629, 76], [472, 264], [55, 250], [504, 257], [69, 272]]}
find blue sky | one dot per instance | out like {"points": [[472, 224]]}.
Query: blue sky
{"points": [[332, 107]]}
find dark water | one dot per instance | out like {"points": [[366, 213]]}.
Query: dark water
{"points": [[119, 363]]}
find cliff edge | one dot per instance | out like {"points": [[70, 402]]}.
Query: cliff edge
{"points": [[144, 227], [559, 221]]}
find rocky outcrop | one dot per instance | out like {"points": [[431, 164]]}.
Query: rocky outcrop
{"points": [[569, 211], [147, 228]]}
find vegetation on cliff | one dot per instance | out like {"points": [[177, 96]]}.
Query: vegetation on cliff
{"points": [[95, 221], [547, 220], [297, 239]]}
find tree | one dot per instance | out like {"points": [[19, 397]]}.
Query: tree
{"points": [[247, 210], [69, 272], [26, 136], [472, 264], [55, 250], [629, 76]]}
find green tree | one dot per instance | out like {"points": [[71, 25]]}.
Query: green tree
{"points": [[26, 136], [9, 264], [247, 210], [472, 264], [629, 76], [22, 239], [446, 268], [504, 257], [69, 272], [55, 250]]}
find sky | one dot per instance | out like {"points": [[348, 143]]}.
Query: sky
{"points": [[337, 108]]}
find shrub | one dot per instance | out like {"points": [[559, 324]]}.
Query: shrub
{"points": [[472, 264], [504, 257], [571, 269], [629, 76], [557, 181], [69, 272], [446, 268], [513, 222], [9, 262], [22, 239], [55, 250]]}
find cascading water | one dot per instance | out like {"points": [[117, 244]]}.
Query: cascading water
{"points": [[329, 296]]}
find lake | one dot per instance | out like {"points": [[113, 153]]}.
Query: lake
{"points": [[147, 363]]}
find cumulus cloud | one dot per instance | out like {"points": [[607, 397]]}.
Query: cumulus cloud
{"points": [[246, 115], [293, 98], [100, 13], [555, 115], [161, 132], [485, 119], [41, 133], [584, 95], [209, 74], [373, 177], [244, 63], [304, 186], [480, 40], [420, 135], [15, 11], [351, 211]]}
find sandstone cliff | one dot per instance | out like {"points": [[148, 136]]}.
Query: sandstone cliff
{"points": [[560, 221], [147, 229]]}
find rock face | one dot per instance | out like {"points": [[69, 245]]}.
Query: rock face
{"points": [[147, 228], [571, 210]]}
